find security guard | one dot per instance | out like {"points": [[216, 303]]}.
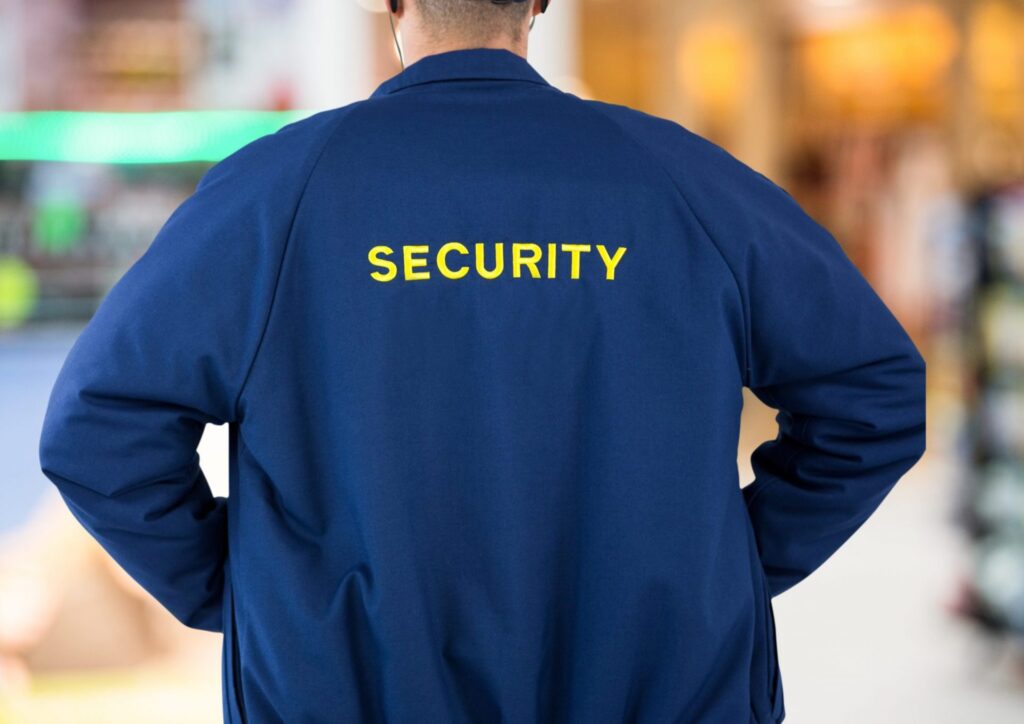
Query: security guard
{"points": [[480, 345]]}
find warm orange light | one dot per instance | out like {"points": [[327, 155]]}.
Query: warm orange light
{"points": [[882, 63], [713, 61], [995, 57]]}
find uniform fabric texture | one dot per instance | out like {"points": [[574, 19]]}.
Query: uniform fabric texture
{"points": [[480, 345]]}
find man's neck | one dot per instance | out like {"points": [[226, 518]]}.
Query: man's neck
{"points": [[415, 51]]}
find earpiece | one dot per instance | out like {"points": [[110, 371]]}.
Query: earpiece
{"points": [[544, 5], [394, 5]]}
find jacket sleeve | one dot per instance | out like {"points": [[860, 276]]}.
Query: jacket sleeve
{"points": [[823, 350], [168, 351]]}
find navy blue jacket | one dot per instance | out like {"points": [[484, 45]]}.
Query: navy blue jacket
{"points": [[481, 346]]}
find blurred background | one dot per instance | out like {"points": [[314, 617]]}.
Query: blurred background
{"points": [[898, 125]]}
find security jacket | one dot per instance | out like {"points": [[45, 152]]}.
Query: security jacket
{"points": [[480, 346]]}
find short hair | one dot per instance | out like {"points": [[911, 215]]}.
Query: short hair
{"points": [[474, 20]]}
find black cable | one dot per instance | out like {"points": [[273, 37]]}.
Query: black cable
{"points": [[394, 35]]}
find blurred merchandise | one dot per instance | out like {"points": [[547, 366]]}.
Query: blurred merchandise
{"points": [[72, 230], [994, 504]]}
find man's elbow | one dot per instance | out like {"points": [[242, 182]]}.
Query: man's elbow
{"points": [[48, 449], [896, 417], [916, 404], [58, 442]]}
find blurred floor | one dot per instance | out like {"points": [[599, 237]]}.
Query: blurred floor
{"points": [[867, 638], [185, 688]]}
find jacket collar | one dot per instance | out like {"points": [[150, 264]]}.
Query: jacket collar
{"points": [[465, 64]]}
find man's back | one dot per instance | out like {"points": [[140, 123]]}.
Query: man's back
{"points": [[482, 346]]}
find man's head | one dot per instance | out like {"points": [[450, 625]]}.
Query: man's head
{"points": [[434, 26]]}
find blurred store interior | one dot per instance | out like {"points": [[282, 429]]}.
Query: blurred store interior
{"points": [[898, 125]]}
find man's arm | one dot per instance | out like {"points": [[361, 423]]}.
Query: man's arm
{"points": [[822, 349], [167, 352], [818, 345]]}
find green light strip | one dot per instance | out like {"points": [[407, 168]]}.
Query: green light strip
{"points": [[169, 137]]}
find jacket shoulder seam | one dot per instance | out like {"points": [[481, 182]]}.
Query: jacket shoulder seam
{"points": [[745, 372], [316, 156]]}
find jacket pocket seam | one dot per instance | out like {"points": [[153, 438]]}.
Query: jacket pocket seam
{"points": [[235, 692]]}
